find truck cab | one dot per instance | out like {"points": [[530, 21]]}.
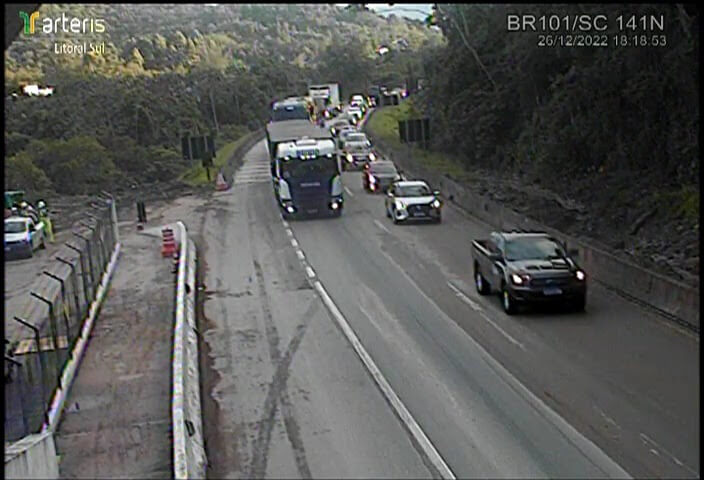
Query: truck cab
{"points": [[291, 109], [308, 179]]}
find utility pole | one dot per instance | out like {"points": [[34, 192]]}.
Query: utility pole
{"points": [[212, 106]]}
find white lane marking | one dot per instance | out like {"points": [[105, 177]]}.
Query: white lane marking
{"points": [[381, 225], [608, 419], [428, 448], [300, 255], [285, 223], [582, 443], [649, 442], [349, 192], [464, 297], [475, 306], [289, 232], [310, 271], [255, 167], [294, 242]]}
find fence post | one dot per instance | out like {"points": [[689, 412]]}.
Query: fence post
{"points": [[95, 238], [93, 287], [15, 363], [113, 215], [86, 293], [74, 281], [37, 338], [105, 215], [63, 300], [54, 331]]}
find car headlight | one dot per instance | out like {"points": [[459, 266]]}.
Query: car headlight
{"points": [[349, 157], [372, 157], [400, 205], [435, 204], [580, 275], [517, 279]]}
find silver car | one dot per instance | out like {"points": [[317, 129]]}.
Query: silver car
{"points": [[357, 150], [409, 200]]}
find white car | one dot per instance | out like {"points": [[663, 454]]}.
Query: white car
{"points": [[343, 134], [23, 236], [356, 111], [413, 200]]}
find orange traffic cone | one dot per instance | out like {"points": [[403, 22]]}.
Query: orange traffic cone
{"points": [[168, 242]]}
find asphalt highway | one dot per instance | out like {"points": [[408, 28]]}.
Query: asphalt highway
{"points": [[610, 392]]}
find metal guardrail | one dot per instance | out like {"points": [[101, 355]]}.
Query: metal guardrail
{"points": [[188, 446]]}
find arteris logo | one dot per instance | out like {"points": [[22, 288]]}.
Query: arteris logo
{"points": [[62, 24]]}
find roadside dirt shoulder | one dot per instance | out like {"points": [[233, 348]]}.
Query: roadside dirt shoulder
{"points": [[117, 421]]}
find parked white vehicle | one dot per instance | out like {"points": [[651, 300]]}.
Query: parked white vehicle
{"points": [[23, 236]]}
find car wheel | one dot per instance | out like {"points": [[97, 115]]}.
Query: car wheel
{"points": [[439, 219], [483, 288], [507, 301]]}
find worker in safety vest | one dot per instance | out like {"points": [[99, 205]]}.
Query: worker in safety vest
{"points": [[44, 217]]}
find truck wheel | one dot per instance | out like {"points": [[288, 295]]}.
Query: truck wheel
{"points": [[483, 288], [507, 301]]}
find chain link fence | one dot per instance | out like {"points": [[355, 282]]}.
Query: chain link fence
{"points": [[58, 303]]}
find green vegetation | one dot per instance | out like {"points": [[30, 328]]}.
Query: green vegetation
{"points": [[196, 66], [197, 175], [568, 117], [384, 125]]}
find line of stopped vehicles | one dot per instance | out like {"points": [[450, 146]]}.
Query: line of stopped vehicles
{"points": [[312, 139]]}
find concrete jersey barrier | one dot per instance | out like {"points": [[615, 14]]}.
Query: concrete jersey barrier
{"points": [[237, 156], [673, 299], [32, 457]]}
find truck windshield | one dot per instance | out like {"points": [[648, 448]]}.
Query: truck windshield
{"points": [[298, 112], [533, 249], [15, 227], [318, 165]]}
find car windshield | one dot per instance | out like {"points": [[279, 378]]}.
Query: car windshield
{"points": [[318, 165], [384, 168], [538, 248], [413, 191], [15, 227]]}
